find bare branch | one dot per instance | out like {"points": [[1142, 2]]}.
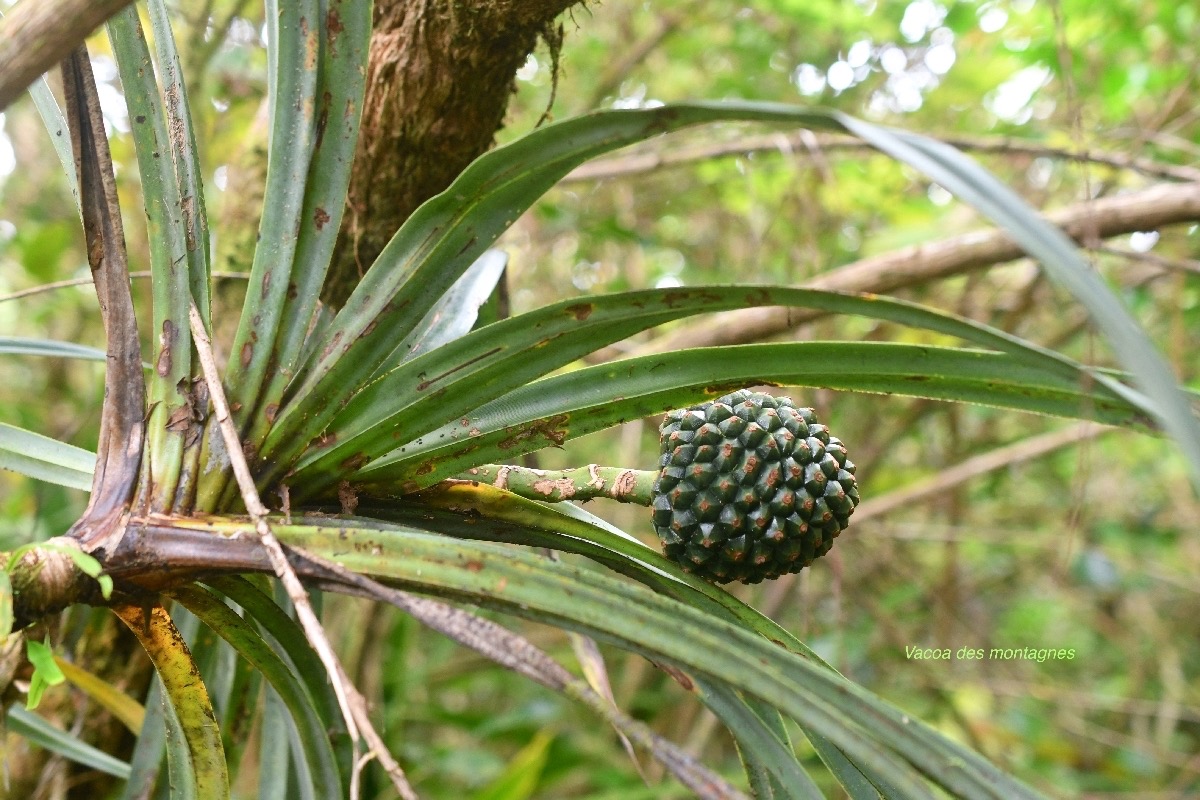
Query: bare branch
{"points": [[808, 144], [1148, 209], [616, 73], [67, 284], [1024, 450], [37, 34], [1174, 264]]}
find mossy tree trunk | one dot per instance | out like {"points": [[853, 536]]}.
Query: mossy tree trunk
{"points": [[438, 84]]}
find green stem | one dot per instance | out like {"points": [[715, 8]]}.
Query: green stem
{"points": [[581, 483]]}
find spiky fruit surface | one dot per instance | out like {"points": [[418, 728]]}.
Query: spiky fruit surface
{"points": [[750, 487]]}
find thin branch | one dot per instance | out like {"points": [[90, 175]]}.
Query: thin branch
{"points": [[809, 144], [1132, 706], [1173, 264], [611, 79], [1148, 209], [38, 34], [946, 479], [56, 285], [353, 705]]}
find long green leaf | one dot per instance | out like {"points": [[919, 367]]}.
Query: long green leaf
{"points": [[402, 403], [149, 750], [593, 602], [185, 166], [319, 761], [516, 520], [553, 410], [171, 229], [16, 345], [964, 178], [276, 781], [448, 232], [341, 83], [44, 458], [56, 125], [568, 528], [770, 763], [182, 781], [294, 32], [39, 731], [288, 638], [185, 159], [695, 638], [195, 755]]}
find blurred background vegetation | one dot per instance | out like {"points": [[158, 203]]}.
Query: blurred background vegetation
{"points": [[1039, 535]]}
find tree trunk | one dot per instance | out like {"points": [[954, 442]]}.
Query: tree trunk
{"points": [[438, 83]]}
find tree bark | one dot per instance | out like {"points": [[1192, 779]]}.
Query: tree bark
{"points": [[438, 83], [37, 34]]}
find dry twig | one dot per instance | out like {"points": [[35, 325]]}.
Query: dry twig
{"points": [[973, 467], [67, 284], [353, 705]]}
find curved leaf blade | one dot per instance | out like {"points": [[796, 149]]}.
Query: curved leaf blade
{"points": [[319, 761], [289, 639], [449, 231], [341, 83], [185, 160], [294, 32], [45, 459], [964, 178], [38, 730], [452, 380], [592, 602], [555, 409], [199, 759], [568, 528], [171, 229], [56, 125], [18, 345]]}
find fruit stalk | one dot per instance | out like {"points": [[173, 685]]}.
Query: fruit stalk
{"points": [[579, 484]]}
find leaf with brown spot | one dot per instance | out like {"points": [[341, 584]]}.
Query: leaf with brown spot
{"points": [[580, 311], [320, 217]]}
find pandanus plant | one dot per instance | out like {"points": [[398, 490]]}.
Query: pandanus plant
{"points": [[385, 435]]}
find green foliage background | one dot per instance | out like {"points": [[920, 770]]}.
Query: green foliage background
{"points": [[1090, 548]]}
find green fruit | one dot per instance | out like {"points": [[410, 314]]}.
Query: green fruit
{"points": [[750, 487]]}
